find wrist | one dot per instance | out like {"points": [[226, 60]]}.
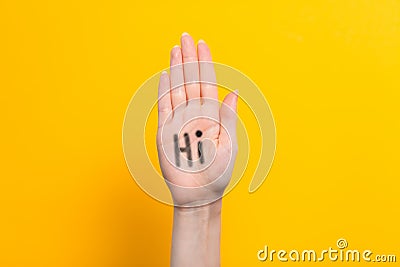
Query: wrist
{"points": [[208, 211]]}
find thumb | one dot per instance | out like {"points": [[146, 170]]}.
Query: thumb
{"points": [[228, 118]]}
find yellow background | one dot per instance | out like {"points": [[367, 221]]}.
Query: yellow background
{"points": [[329, 69]]}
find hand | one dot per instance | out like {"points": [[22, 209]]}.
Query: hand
{"points": [[196, 138]]}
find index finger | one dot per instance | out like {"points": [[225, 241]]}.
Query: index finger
{"points": [[208, 81]]}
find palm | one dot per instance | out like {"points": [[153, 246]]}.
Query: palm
{"points": [[196, 138]]}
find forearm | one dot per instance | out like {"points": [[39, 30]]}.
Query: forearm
{"points": [[196, 236]]}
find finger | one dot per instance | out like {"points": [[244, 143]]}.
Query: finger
{"points": [[164, 99], [228, 118], [208, 88], [178, 94], [190, 67]]}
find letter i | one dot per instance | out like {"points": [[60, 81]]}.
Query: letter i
{"points": [[200, 151]]}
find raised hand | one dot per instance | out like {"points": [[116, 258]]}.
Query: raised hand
{"points": [[196, 138]]}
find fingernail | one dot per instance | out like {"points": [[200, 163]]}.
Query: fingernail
{"points": [[201, 41], [185, 33], [175, 46], [164, 72], [236, 92]]}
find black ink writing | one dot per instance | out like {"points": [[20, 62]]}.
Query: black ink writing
{"points": [[187, 149]]}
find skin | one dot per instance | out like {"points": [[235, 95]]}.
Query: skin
{"points": [[196, 190]]}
